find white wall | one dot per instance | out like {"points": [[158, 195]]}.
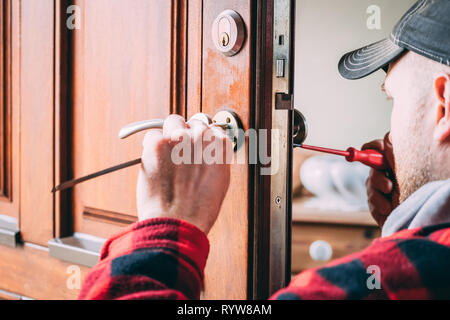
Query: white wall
{"points": [[340, 113]]}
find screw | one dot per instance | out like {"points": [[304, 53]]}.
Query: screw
{"points": [[278, 200], [224, 39]]}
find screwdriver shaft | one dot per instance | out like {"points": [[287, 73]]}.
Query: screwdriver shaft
{"points": [[71, 183], [325, 150], [371, 158]]}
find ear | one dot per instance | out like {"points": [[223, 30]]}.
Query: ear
{"points": [[442, 91]]}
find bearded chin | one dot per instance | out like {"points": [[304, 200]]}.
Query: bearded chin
{"points": [[412, 171]]}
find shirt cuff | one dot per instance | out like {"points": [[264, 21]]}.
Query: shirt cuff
{"points": [[177, 236]]}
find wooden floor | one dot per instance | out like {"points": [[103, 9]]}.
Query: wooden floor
{"points": [[29, 272]]}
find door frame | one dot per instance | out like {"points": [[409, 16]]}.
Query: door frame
{"points": [[270, 234]]}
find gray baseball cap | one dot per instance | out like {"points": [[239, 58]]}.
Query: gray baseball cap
{"points": [[424, 29]]}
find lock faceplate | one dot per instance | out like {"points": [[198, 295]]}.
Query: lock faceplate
{"points": [[228, 32]]}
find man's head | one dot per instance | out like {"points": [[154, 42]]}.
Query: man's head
{"points": [[416, 57], [420, 121]]}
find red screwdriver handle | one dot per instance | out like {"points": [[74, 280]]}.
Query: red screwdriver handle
{"points": [[371, 158]]}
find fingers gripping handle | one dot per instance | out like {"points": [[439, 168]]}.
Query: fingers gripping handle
{"points": [[139, 126], [226, 120]]}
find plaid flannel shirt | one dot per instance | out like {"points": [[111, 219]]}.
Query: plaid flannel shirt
{"points": [[164, 259]]}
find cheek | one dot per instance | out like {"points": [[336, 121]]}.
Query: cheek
{"points": [[395, 124], [400, 124]]}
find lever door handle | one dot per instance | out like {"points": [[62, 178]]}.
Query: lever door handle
{"points": [[135, 127], [139, 126]]}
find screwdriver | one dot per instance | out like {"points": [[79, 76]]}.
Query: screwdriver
{"points": [[371, 158]]}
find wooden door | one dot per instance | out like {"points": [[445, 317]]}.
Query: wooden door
{"points": [[80, 70], [122, 68]]}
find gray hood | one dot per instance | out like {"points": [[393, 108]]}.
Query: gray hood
{"points": [[430, 205]]}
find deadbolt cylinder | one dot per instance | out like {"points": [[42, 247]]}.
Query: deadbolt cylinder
{"points": [[228, 32]]}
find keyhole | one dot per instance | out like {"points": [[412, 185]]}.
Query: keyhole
{"points": [[225, 39]]}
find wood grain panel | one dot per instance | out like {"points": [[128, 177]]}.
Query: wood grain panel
{"points": [[5, 112], [36, 105], [109, 217], [9, 126], [29, 271], [194, 58], [227, 84], [178, 71], [125, 69], [63, 119]]}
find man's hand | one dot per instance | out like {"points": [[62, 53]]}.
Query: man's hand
{"points": [[382, 188], [186, 191]]}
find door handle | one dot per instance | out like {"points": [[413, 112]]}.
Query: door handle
{"points": [[227, 120], [139, 126], [136, 127]]}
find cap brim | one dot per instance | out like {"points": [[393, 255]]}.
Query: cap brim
{"points": [[362, 62]]}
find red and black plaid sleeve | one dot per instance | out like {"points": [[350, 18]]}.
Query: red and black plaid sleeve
{"points": [[154, 259], [165, 258], [411, 264]]}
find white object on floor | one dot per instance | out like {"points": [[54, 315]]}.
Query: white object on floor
{"points": [[320, 250]]}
